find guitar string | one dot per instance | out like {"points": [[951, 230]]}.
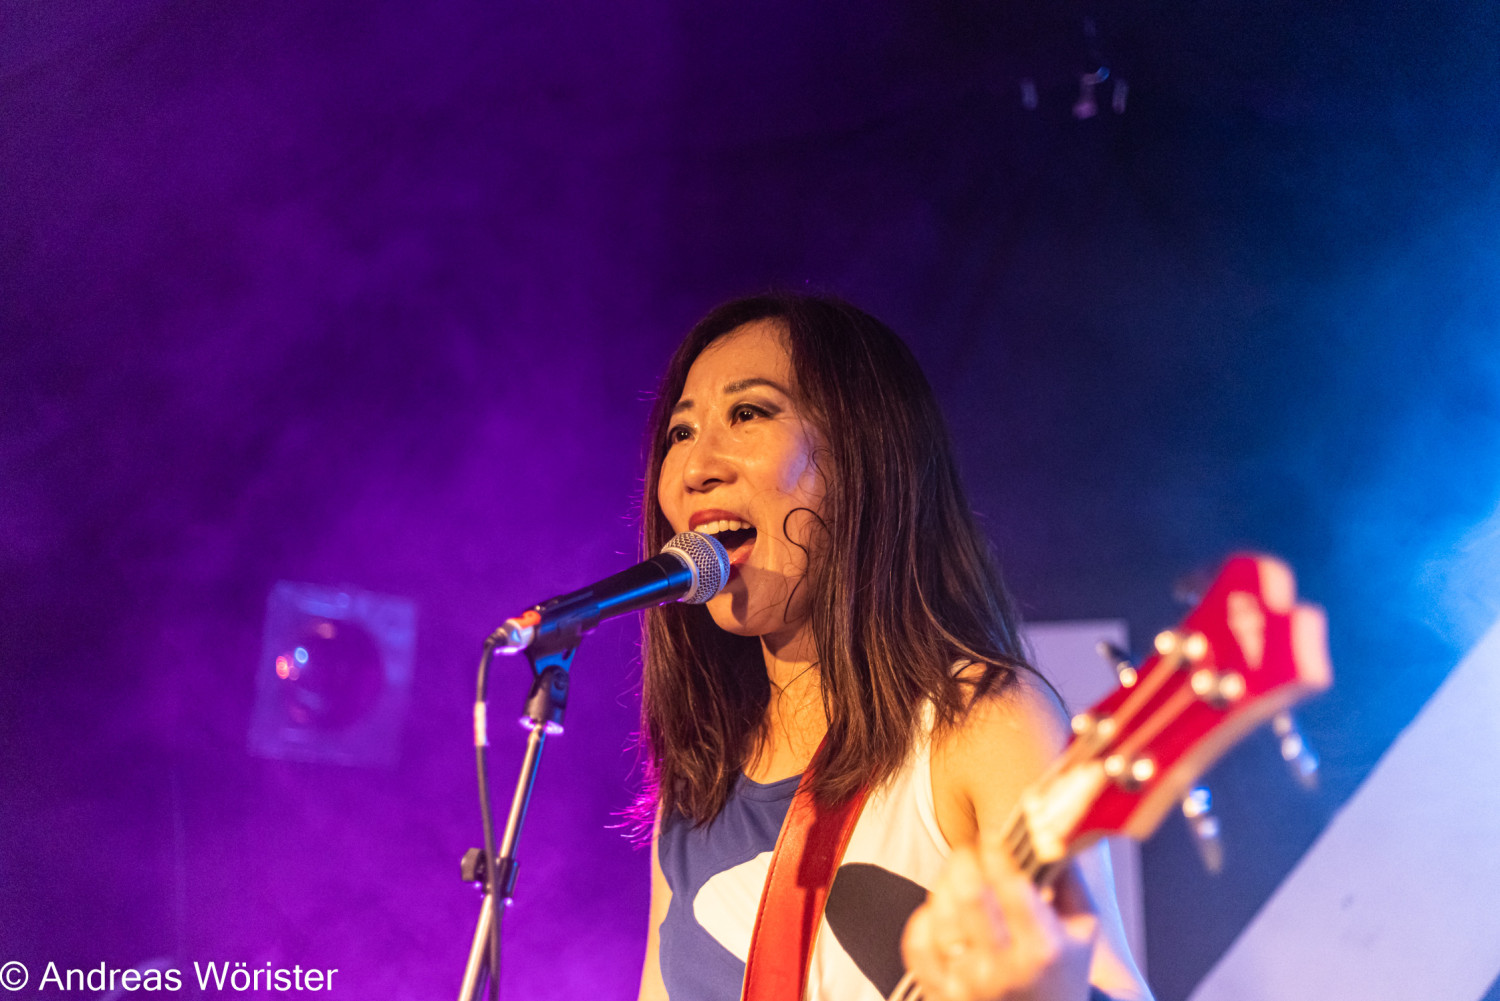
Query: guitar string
{"points": [[1175, 705], [1150, 682]]}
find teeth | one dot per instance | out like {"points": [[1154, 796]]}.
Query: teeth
{"points": [[723, 525]]}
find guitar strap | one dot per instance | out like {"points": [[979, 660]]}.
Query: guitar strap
{"points": [[808, 850]]}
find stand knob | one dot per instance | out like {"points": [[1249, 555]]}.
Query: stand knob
{"points": [[473, 867]]}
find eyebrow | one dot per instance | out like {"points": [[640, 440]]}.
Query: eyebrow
{"points": [[738, 387]]}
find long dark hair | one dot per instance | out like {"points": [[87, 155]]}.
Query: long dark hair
{"points": [[902, 584]]}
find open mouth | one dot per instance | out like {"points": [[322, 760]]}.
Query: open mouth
{"points": [[737, 538]]}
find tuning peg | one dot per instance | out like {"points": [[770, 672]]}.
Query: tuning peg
{"points": [[1120, 661], [1198, 810], [1299, 756]]}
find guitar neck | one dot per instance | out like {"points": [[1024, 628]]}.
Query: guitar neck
{"points": [[1023, 852], [1247, 652]]}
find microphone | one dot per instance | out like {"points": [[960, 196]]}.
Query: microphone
{"points": [[692, 567]]}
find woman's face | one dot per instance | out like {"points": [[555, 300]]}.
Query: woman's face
{"points": [[741, 465]]}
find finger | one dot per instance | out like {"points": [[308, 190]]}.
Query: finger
{"points": [[1030, 920], [961, 877], [960, 925], [918, 951], [958, 892], [954, 941], [977, 956], [928, 957], [980, 945]]}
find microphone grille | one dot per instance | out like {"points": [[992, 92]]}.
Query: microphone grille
{"points": [[706, 557]]}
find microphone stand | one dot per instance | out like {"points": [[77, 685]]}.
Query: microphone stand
{"points": [[550, 634], [495, 869]]}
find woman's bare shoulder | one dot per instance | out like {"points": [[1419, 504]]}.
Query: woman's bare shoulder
{"points": [[998, 747]]}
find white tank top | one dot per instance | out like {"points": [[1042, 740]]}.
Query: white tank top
{"points": [[895, 853]]}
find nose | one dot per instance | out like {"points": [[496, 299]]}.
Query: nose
{"points": [[708, 464]]}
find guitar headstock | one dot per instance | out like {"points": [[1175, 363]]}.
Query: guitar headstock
{"points": [[1244, 654]]}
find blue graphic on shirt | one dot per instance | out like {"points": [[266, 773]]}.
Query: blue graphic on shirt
{"points": [[696, 966]]}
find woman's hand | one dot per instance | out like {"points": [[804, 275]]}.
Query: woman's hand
{"points": [[986, 933]]}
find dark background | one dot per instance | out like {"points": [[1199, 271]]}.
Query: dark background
{"points": [[375, 294]]}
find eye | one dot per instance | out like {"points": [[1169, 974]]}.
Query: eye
{"points": [[677, 433], [746, 412]]}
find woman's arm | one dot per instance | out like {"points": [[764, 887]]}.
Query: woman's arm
{"points": [[652, 987], [985, 931]]}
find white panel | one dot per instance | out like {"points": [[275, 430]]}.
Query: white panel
{"points": [[1397, 899], [1065, 652]]}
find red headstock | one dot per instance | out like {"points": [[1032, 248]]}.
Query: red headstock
{"points": [[1247, 652]]}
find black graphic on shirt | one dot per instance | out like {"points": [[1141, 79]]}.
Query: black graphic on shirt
{"points": [[867, 909]]}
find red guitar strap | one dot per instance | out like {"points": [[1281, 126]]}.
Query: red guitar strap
{"points": [[808, 850]]}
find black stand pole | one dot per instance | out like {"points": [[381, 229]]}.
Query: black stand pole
{"points": [[496, 869]]}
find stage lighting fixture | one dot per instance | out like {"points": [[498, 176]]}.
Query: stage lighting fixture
{"points": [[335, 675]]}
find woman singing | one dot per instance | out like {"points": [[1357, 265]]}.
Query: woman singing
{"points": [[864, 637]]}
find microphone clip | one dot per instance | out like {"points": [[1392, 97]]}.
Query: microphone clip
{"points": [[548, 699], [551, 657]]}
